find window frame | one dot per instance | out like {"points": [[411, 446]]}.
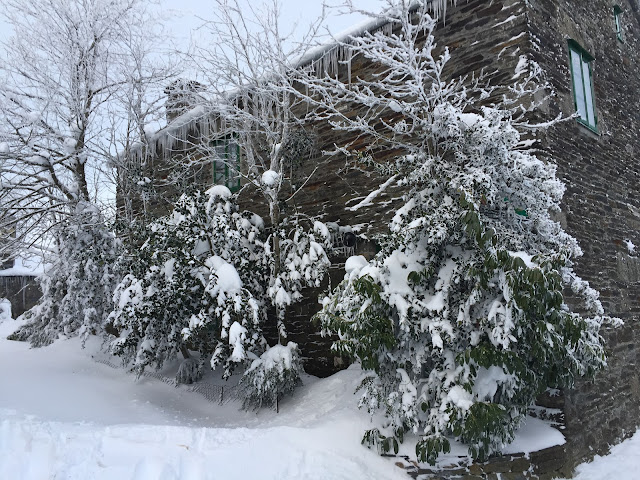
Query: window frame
{"points": [[586, 88], [228, 141], [617, 14]]}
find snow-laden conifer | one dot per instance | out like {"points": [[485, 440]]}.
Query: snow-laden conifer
{"points": [[196, 278], [77, 286], [275, 374], [200, 282], [258, 102], [302, 262], [461, 316]]}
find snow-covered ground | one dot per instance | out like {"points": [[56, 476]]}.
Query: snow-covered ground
{"points": [[64, 415], [622, 463]]}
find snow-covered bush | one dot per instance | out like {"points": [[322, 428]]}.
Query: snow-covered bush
{"points": [[275, 374], [461, 316], [197, 274], [301, 262], [203, 281], [77, 287], [189, 371]]}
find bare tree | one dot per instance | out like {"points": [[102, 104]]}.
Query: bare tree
{"points": [[256, 104], [67, 65], [147, 66], [71, 72]]}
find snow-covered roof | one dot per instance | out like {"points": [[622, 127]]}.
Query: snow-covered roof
{"points": [[324, 58], [23, 267], [370, 25]]}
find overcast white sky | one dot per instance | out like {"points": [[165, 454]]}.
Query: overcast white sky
{"points": [[183, 14], [183, 17]]}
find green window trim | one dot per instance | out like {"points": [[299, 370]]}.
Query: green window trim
{"points": [[225, 153], [580, 63], [617, 18], [519, 211]]}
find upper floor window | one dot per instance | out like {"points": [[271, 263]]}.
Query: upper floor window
{"points": [[582, 76], [617, 15], [225, 153]]}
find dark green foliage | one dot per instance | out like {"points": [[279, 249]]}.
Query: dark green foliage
{"points": [[461, 314], [194, 276], [273, 376]]}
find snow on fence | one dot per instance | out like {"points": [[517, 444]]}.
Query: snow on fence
{"points": [[220, 394]]}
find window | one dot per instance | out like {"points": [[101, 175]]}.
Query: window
{"points": [[582, 75], [225, 154], [617, 14]]}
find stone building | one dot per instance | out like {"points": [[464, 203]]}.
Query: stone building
{"points": [[18, 282], [589, 53]]}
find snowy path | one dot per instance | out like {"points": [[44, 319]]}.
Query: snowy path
{"points": [[32, 449], [65, 416]]}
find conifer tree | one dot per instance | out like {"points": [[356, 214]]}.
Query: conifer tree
{"points": [[200, 282], [194, 285], [461, 317], [77, 287]]}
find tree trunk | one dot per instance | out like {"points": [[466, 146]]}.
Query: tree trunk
{"points": [[184, 352], [274, 213]]}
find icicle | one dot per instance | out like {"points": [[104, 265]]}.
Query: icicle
{"points": [[158, 150], [345, 59], [207, 127], [171, 145], [184, 131], [440, 6], [167, 146], [134, 157], [164, 140], [202, 129]]}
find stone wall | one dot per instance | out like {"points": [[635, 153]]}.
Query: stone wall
{"points": [[542, 465], [23, 293], [602, 203]]}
